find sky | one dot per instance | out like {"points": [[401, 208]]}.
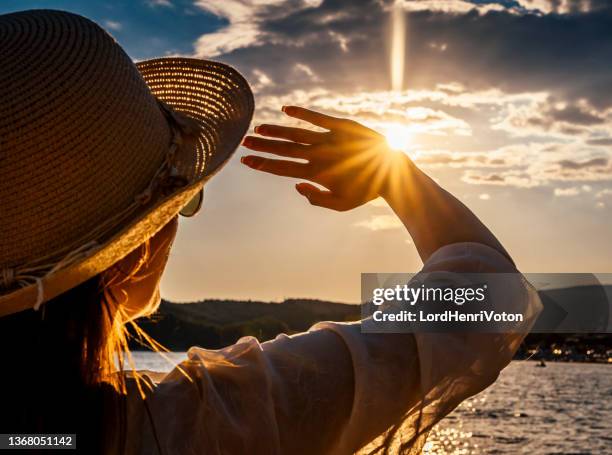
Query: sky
{"points": [[507, 104]]}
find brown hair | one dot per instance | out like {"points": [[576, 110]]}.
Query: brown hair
{"points": [[63, 365]]}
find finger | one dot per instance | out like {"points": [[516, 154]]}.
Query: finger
{"points": [[320, 198], [291, 134], [283, 148], [277, 167], [316, 118]]}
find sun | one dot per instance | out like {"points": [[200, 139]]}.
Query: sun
{"points": [[398, 137]]}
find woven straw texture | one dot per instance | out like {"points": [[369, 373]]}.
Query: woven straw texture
{"points": [[83, 135]]}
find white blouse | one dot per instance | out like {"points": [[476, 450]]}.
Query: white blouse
{"points": [[331, 390]]}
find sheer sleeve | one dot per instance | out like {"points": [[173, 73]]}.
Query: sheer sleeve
{"points": [[332, 390], [406, 383], [292, 395]]}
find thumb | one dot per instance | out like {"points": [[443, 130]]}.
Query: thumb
{"points": [[318, 197]]}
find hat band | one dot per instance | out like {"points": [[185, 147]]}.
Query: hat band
{"points": [[165, 180]]}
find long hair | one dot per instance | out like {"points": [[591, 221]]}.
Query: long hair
{"points": [[63, 365]]}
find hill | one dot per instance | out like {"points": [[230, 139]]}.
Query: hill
{"points": [[218, 323]]}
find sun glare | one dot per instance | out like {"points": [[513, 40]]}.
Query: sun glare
{"points": [[398, 137], [398, 49]]}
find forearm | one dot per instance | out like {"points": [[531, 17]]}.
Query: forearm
{"points": [[434, 217]]}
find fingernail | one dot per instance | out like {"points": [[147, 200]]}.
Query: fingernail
{"points": [[300, 189], [246, 141], [257, 129], [284, 109], [245, 160]]}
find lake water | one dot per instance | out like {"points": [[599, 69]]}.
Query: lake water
{"points": [[565, 408]]}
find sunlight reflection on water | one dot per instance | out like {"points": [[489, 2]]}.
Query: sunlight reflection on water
{"points": [[563, 408]]}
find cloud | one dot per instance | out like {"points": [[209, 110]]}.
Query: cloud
{"points": [[566, 192], [559, 6], [464, 159], [543, 173], [572, 191], [244, 18], [242, 30], [602, 141], [590, 170], [528, 157], [522, 51], [451, 6], [593, 163], [305, 70], [504, 178], [261, 81], [380, 222], [113, 25], [570, 119], [376, 109], [604, 194], [161, 3]]}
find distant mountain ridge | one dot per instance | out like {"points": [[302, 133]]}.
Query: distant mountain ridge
{"points": [[296, 313], [217, 323]]}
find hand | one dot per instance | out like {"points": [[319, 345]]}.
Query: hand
{"points": [[349, 160]]}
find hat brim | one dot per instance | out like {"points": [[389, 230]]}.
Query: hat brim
{"points": [[220, 99], [214, 94]]}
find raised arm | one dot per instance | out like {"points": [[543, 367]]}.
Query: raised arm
{"points": [[354, 165]]}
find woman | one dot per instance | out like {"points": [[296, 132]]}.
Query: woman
{"points": [[99, 157]]}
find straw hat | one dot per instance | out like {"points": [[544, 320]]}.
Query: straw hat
{"points": [[97, 153]]}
